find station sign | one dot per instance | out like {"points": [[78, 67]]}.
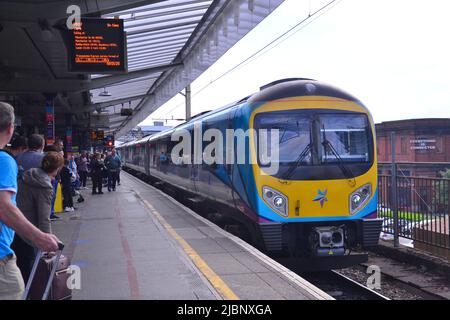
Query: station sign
{"points": [[97, 135], [423, 144], [50, 122], [126, 112], [69, 139], [96, 46]]}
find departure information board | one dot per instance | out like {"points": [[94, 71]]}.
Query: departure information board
{"points": [[96, 46]]}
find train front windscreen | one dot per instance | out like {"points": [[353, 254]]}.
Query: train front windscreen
{"points": [[317, 143]]}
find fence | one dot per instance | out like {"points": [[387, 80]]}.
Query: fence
{"points": [[418, 210]]}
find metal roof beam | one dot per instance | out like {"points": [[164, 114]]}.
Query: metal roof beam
{"points": [[174, 34], [162, 27], [116, 121], [151, 43], [161, 47], [210, 40], [158, 7], [163, 32], [28, 13], [165, 13], [196, 16], [106, 104], [168, 50], [146, 63], [99, 8], [104, 81], [36, 85], [133, 81], [151, 55]]}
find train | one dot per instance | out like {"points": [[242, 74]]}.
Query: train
{"points": [[291, 168]]}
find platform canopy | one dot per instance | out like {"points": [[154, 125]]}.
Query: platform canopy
{"points": [[169, 44]]}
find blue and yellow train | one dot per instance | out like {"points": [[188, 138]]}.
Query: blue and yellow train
{"points": [[322, 200]]}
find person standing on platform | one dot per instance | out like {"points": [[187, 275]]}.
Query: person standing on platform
{"points": [[113, 164], [56, 181], [32, 158], [18, 146], [83, 169], [11, 218], [74, 169], [105, 173], [66, 185], [60, 145], [34, 199], [120, 168], [97, 172]]}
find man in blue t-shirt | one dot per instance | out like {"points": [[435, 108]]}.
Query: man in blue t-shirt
{"points": [[11, 218]]}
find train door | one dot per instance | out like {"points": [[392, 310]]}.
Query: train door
{"points": [[152, 157], [213, 181], [193, 168], [147, 158]]}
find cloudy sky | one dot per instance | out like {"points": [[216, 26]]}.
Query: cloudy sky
{"points": [[392, 55]]}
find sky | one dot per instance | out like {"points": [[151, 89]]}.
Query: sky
{"points": [[394, 56]]}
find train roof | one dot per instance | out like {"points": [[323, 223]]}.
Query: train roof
{"points": [[298, 87], [279, 89]]}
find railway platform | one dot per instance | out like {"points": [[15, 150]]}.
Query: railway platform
{"points": [[138, 243]]}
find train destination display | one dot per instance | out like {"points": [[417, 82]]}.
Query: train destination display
{"points": [[96, 46]]}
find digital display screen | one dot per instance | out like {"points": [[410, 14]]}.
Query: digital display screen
{"points": [[96, 46]]}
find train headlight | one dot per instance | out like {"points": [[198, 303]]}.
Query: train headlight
{"points": [[279, 202], [276, 200], [359, 198]]}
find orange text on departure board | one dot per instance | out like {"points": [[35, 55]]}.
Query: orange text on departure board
{"points": [[95, 43]]}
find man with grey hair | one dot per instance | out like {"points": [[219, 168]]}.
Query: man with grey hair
{"points": [[11, 218]]}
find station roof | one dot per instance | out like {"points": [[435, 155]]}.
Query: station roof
{"points": [[169, 44]]}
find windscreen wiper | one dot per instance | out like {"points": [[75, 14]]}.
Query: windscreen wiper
{"points": [[327, 144], [297, 162]]}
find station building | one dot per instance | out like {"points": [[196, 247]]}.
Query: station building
{"points": [[422, 146]]}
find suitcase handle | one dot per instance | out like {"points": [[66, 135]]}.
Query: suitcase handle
{"points": [[52, 273]]}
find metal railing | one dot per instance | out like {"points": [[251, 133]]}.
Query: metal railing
{"points": [[417, 208]]}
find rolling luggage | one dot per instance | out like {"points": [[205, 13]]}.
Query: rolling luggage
{"points": [[48, 277]]}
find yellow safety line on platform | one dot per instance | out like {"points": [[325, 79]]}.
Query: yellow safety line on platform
{"points": [[212, 277]]}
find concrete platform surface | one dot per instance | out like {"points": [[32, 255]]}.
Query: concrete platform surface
{"points": [[138, 243]]}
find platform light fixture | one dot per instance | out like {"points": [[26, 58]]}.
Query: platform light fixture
{"points": [[105, 93]]}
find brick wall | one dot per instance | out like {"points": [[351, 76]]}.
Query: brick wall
{"points": [[424, 142]]}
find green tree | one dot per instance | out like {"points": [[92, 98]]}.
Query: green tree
{"points": [[441, 192]]}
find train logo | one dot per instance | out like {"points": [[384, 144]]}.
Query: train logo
{"points": [[321, 197]]}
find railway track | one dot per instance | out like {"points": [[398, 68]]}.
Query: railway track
{"points": [[341, 287]]}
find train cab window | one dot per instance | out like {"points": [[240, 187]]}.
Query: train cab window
{"points": [[313, 142], [346, 136], [294, 135]]}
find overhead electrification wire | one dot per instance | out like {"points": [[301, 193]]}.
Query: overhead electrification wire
{"points": [[302, 24]]}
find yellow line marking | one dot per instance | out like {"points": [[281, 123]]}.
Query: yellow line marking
{"points": [[212, 277]]}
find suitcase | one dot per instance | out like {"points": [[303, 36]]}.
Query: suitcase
{"points": [[48, 277]]}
